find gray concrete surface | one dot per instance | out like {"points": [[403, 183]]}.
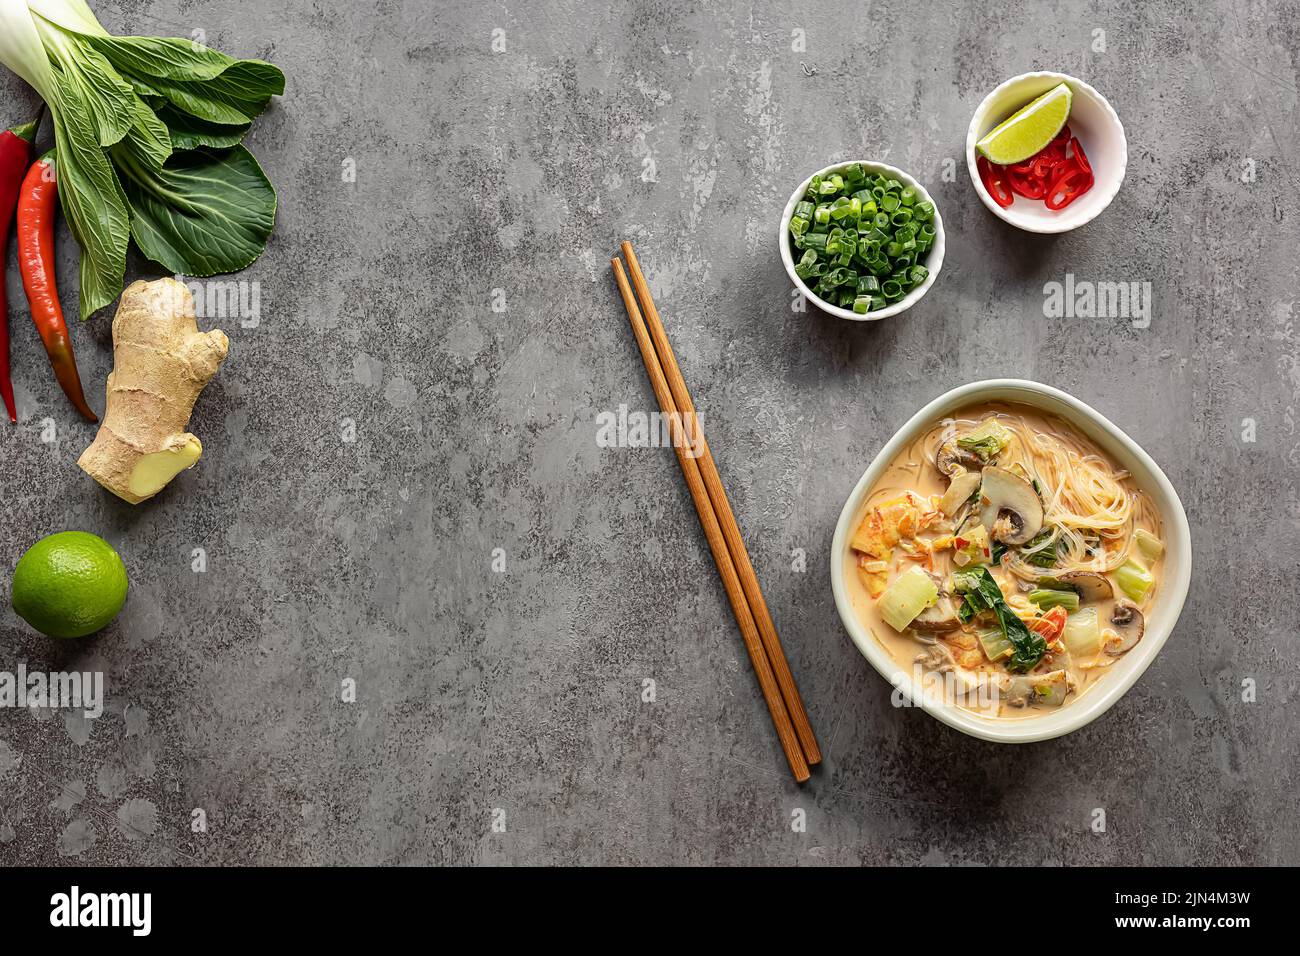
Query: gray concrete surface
{"points": [[515, 697]]}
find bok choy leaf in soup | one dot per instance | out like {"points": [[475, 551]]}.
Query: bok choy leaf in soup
{"points": [[981, 593]]}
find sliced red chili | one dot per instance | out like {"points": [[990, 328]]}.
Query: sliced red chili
{"points": [[1071, 182], [1026, 184], [995, 181], [1076, 148], [1045, 164]]}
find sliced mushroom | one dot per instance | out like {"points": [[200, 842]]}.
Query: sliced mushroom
{"points": [[965, 683], [950, 458], [951, 676], [1129, 625], [938, 617], [1009, 507], [960, 489], [1050, 690], [1047, 690], [936, 657], [1090, 585]]}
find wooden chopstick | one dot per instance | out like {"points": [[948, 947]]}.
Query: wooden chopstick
{"points": [[722, 508], [713, 533]]}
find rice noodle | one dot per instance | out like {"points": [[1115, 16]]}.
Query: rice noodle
{"points": [[1090, 507]]}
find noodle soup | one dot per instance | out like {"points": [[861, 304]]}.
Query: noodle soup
{"points": [[1005, 560]]}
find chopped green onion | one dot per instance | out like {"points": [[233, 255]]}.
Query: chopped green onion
{"points": [[863, 237], [806, 265]]}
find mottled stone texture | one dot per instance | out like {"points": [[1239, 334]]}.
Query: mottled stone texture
{"points": [[475, 423]]}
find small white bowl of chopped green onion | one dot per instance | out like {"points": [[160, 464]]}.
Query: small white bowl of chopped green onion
{"points": [[862, 240]]}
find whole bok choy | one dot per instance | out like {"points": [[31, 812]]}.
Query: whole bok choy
{"points": [[147, 131]]}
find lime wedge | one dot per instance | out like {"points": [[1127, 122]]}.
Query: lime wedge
{"points": [[1029, 129]]}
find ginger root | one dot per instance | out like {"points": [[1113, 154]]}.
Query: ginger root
{"points": [[161, 361]]}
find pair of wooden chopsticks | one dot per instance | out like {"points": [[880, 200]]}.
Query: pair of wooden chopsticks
{"points": [[719, 523]]}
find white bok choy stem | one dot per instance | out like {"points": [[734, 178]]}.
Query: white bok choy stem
{"points": [[20, 46]]}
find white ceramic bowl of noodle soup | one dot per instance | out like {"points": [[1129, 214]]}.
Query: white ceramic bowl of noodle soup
{"points": [[1092, 120], [1162, 616], [933, 262]]}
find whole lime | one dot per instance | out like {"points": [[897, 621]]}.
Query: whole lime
{"points": [[69, 584]]}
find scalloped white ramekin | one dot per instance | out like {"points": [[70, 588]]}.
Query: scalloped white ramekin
{"points": [[1092, 119]]}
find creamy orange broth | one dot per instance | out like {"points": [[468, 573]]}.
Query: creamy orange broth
{"points": [[914, 470]]}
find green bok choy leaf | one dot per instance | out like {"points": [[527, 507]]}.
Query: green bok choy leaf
{"points": [[148, 133]]}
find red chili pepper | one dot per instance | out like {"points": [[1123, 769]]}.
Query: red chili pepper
{"points": [[15, 158], [1071, 182], [1080, 156], [1026, 184], [1047, 161], [36, 212], [994, 179]]}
